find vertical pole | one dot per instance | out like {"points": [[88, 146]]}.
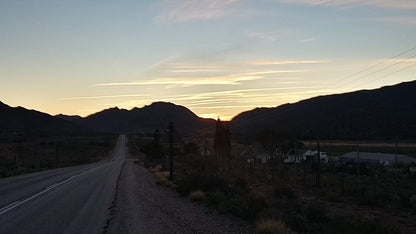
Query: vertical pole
{"points": [[171, 148], [358, 157], [296, 168], [205, 146], [318, 166], [395, 153], [304, 172], [20, 148], [57, 153]]}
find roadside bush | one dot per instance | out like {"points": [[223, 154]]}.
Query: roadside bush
{"points": [[375, 198], [197, 195], [272, 227], [246, 206], [284, 192], [359, 225], [215, 198], [203, 182], [316, 212], [413, 203], [251, 206], [162, 177]]}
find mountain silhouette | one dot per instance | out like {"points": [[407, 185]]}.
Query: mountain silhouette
{"points": [[69, 117], [383, 113], [21, 120], [146, 119]]}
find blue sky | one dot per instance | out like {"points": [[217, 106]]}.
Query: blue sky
{"points": [[217, 57]]}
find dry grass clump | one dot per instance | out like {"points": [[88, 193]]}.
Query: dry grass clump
{"points": [[156, 168], [162, 177], [197, 195], [272, 227]]}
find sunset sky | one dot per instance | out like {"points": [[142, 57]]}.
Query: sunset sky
{"points": [[216, 57]]}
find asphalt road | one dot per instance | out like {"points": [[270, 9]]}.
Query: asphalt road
{"points": [[66, 200]]}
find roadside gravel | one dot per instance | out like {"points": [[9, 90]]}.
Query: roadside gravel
{"points": [[142, 206]]}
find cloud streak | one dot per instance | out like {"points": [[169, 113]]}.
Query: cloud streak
{"points": [[233, 79], [399, 4], [102, 97], [398, 20], [268, 36], [286, 62], [189, 10]]}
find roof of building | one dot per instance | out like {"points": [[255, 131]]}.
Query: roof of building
{"points": [[380, 156]]}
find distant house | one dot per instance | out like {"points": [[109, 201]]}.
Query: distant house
{"points": [[376, 158], [292, 158], [311, 155], [412, 170], [258, 154]]}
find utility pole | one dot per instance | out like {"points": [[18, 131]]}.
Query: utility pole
{"points": [[20, 148], [358, 156], [296, 168], [171, 148], [205, 146], [57, 153], [318, 167], [395, 153]]}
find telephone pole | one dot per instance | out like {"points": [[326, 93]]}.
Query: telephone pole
{"points": [[296, 159], [57, 153], [358, 157], [395, 153], [318, 167], [171, 148], [20, 149]]}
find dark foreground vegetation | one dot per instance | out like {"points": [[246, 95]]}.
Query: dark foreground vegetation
{"points": [[286, 197], [21, 153]]}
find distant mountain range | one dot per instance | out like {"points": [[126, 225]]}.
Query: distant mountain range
{"points": [[146, 119], [113, 120], [383, 113], [21, 120]]}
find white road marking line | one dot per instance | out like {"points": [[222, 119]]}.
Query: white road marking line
{"points": [[15, 204]]}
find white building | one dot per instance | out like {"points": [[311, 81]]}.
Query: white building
{"points": [[379, 158], [312, 153]]}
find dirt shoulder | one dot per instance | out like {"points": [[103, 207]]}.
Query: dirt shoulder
{"points": [[142, 206]]}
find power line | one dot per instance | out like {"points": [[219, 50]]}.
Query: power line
{"points": [[382, 69], [375, 65], [394, 72]]}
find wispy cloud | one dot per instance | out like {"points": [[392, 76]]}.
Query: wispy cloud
{"points": [[398, 19], [286, 62], [268, 36], [232, 79], [188, 10], [307, 40], [400, 4], [102, 97]]}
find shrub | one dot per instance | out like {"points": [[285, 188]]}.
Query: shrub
{"points": [[197, 195], [251, 206], [272, 227], [203, 182], [162, 177], [316, 212], [413, 202], [157, 168], [284, 192], [375, 198], [215, 198], [360, 225]]}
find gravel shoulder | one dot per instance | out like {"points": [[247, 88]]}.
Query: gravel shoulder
{"points": [[142, 206]]}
